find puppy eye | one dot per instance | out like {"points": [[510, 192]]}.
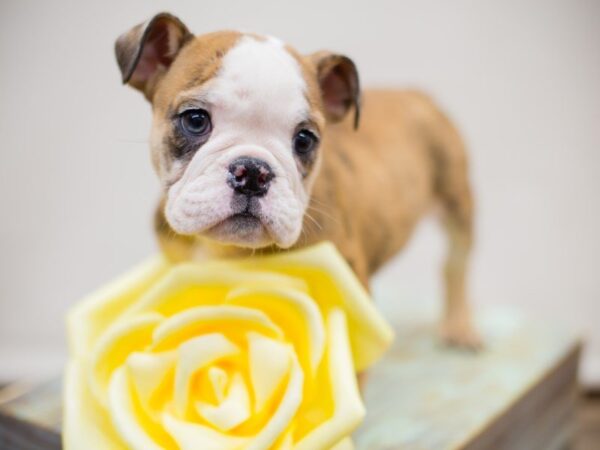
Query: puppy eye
{"points": [[195, 121], [304, 142]]}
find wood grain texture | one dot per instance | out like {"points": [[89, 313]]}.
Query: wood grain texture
{"points": [[17, 434], [542, 418]]}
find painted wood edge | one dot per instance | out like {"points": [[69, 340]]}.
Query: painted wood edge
{"points": [[561, 375]]}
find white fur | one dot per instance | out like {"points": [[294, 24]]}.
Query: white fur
{"points": [[256, 101]]}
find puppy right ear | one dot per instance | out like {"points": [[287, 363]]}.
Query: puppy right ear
{"points": [[145, 52], [340, 88]]}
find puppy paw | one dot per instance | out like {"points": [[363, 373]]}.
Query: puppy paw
{"points": [[459, 332]]}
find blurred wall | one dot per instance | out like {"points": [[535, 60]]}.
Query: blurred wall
{"points": [[521, 78]]}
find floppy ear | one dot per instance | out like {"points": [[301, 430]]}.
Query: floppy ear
{"points": [[145, 52], [340, 88]]}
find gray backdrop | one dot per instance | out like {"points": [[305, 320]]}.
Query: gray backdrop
{"points": [[521, 78]]}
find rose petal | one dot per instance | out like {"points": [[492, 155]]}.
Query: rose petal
{"points": [[348, 407], [85, 420], [116, 345], [269, 362], [193, 356], [192, 284], [148, 372], [295, 311], [190, 436], [285, 410], [218, 379], [232, 411], [123, 414], [191, 322], [287, 441]]}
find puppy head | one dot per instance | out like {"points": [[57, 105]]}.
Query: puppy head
{"points": [[237, 122]]}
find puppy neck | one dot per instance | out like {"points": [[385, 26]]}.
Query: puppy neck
{"points": [[206, 248]]}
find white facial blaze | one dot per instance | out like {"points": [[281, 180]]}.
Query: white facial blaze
{"points": [[256, 101], [261, 88]]}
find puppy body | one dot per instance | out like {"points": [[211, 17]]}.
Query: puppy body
{"points": [[363, 189], [374, 185]]}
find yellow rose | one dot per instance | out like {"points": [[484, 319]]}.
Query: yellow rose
{"points": [[242, 354]]}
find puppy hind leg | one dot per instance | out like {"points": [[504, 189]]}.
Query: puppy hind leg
{"points": [[454, 192], [457, 326]]}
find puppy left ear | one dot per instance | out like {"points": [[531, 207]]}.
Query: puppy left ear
{"points": [[339, 83], [145, 52]]}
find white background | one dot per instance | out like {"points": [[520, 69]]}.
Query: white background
{"points": [[521, 79]]}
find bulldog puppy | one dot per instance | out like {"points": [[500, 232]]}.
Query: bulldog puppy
{"points": [[255, 147]]}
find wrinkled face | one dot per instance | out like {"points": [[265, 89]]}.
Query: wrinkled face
{"points": [[235, 140]]}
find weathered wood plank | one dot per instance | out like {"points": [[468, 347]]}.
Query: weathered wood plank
{"points": [[16, 434], [517, 393]]}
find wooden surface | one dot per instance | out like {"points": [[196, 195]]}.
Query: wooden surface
{"points": [[588, 422], [16, 434], [587, 434], [517, 394]]}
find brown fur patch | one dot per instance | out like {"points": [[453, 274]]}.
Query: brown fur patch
{"points": [[313, 91], [196, 63]]}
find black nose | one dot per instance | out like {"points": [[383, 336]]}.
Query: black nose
{"points": [[250, 176]]}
